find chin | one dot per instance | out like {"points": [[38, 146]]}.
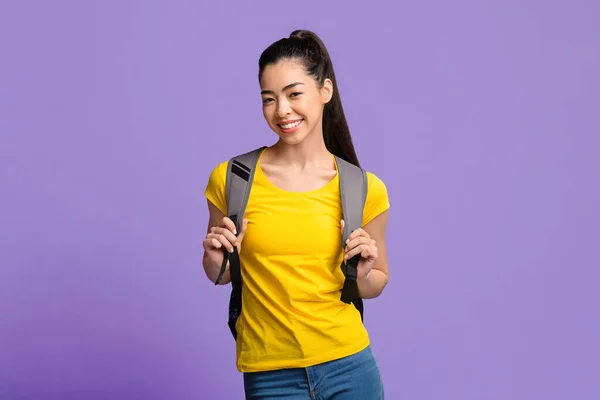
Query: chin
{"points": [[291, 139], [294, 138]]}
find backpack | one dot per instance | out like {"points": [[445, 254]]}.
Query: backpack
{"points": [[239, 178]]}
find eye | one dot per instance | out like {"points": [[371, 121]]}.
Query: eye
{"points": [[266, 101], [295, 94]]}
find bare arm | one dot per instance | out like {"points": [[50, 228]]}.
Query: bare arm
{"points": [[213, 257], [374, 282]]}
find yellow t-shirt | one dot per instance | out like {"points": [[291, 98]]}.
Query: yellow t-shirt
{"points": [[292, 315]]}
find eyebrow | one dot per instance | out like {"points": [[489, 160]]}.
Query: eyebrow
{"points": [[291, 85]]}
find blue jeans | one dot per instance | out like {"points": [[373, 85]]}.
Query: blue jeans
{"points": [[355, 377]]}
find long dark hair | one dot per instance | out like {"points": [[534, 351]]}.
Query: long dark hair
{"points": [[307, 47]]}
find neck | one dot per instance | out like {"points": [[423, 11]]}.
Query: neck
{"points": [[311, 152]]}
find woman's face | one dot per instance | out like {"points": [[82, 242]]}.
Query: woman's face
{"points": [[293, 101]]}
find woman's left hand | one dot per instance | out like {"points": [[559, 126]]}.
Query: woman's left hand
{"points": [[359, 242]]}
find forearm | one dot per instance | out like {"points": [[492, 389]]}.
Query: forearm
{"points": [[372, 285], [212, 269]]}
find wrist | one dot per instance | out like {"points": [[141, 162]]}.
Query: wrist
{"points": [[364, 279]]}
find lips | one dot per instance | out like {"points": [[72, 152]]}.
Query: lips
{"points": [[290, 125]]}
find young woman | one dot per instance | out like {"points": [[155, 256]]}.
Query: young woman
{"points": [[296, 338]]}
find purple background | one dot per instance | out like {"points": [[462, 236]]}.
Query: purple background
{"points": [[481, 117]]}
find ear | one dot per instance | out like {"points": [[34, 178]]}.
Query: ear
{"points": [[327, 91]]}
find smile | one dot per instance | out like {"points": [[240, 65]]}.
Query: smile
{"points": [[291, 125]]}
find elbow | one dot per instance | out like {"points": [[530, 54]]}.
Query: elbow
{"points": [[378, 290], [374, 284]]}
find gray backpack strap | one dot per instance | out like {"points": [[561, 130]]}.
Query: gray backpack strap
{"points": [[353, 191], [240, 174], [238, 184]]}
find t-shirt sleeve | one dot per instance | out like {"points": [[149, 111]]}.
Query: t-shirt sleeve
{"points": [[377, 198], [215, 188]]}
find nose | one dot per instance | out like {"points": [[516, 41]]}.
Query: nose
{"points": [[283, 109]]}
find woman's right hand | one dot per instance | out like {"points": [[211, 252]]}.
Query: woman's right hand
{"points": [[224, 235], [219, 236]]}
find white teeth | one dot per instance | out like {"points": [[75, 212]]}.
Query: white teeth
{"points": [[290, 126]]}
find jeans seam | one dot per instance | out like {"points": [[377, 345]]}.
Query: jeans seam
{"points": [[322, 382], [311, 392]]}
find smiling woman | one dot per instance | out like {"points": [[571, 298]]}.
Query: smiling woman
{"points": [[296, 75], [295, 338]]}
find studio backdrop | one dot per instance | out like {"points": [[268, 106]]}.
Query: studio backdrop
{"points": [[480, 117]]}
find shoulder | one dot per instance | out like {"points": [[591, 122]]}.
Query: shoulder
{"points": [[215, 190], [376, 184], [215, 187], [377, 197], [218, 173]]}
